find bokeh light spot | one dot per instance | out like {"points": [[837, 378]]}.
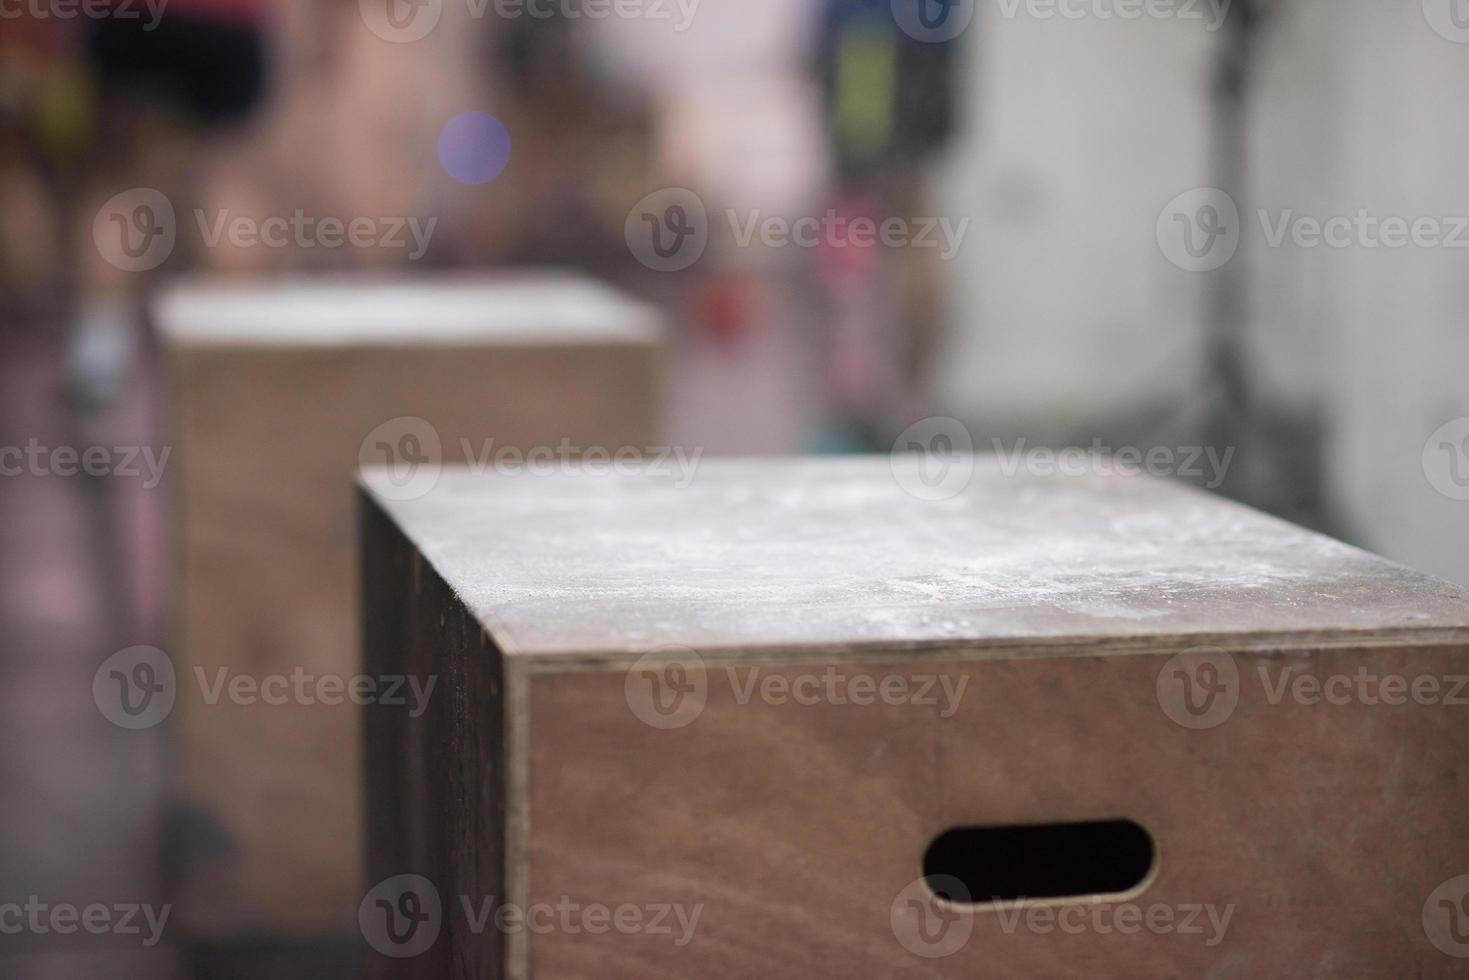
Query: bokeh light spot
{"points": [[474, 148]]}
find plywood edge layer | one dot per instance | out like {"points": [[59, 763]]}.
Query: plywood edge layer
{"points": [[1267, 643]]}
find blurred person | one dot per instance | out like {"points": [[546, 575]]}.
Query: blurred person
{"points": [[167, 79], [584, 144], [45, 123], [889, 110]]}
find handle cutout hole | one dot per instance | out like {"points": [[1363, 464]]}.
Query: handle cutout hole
{"points": [[979, 866]]}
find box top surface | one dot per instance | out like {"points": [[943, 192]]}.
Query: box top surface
{"points": [[505, 308], [834, 554]]}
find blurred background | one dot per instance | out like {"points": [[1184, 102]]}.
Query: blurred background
{"points": [[1224, 238]]}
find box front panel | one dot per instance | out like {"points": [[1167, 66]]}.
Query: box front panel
{"points": [[693, 818]]}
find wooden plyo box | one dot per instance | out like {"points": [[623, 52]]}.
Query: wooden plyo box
{"points": [[753, 725], [280, 392]]}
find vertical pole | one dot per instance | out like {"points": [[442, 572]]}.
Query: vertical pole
{"points": [[1232, 416]]}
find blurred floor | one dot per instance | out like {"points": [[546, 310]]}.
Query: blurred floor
{"points": [[82, 815]]}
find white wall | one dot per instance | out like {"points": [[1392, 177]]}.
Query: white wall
{"points": [[1078, 133], [1403, 351]]}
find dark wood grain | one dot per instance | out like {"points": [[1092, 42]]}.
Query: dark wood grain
{"points": [[436, 783]]}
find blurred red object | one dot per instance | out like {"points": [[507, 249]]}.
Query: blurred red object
{"points": [[729, 302]]}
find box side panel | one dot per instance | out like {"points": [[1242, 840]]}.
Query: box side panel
{"points": [[774, 822], [435, 770]]}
